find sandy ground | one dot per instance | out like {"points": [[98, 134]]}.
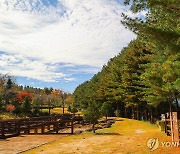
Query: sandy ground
{"points": [[18, 144], [22, 143], [101, 144]]}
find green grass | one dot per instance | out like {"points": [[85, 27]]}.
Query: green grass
{"points": [[125, 136]]}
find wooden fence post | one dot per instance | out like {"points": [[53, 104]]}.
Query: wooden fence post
{"points": [[9, 126], [28, 127], [2, 131], [165, 123], [171, 123], [18, 127], [72, 126], [57, 127], [36, 130], [175, 128], [42, 128], [48, 126]]}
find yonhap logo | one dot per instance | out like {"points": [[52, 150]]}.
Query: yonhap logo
{"points": [[153, 144]]}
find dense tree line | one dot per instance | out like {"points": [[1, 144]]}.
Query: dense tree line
{"points": [[28, 100], [143, 81]]}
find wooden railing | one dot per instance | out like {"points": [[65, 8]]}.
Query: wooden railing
{"points": [[172, 125], [38, 125]]}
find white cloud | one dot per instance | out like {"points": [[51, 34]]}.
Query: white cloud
{"points": [[21, 66], [76, 32], [69, 79]]}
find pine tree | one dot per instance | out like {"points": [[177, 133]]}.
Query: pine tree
{"points": [[106, 109], [26, 106], [92, 114], [9, 83], [161, 28]]}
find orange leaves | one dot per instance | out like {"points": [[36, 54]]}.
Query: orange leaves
{"points": [[23, 95], [10, 108], [56, 92]]}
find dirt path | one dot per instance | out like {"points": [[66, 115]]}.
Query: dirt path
{"points": [[25, 142], [17, 144], [125, 136]]}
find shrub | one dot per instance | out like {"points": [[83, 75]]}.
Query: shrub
{"points": [[10, 108], [117, 113]]}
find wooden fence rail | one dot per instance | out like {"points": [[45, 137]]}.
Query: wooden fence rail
{"points": [[38, 125]]}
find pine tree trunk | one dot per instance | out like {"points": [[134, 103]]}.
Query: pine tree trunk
{"points": [[146, 117], [151, 116], [93, 128], [159, 113], [137, 113], [132, 112], [125, 110], [156, 115], [177, 106], [170, 108], [148, 114]]}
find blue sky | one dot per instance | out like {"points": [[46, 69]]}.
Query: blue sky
{"points": [[61, 84], [59, 43]]}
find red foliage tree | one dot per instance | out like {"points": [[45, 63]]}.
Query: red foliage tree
{"points": [[10, 108], [23, 95]]}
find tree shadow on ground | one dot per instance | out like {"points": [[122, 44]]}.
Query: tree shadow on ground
{"points": [[119, 120], [108, 134]]}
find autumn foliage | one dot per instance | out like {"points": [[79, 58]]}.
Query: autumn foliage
{"points": [[23, 95], [10, 108]]}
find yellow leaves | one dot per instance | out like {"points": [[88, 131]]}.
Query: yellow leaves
{"points": [[166, 66], [69, 100], [154, 22]]}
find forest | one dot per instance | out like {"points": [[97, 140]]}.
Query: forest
{"points": [[143, 80], [132, 105], [27, 101]]}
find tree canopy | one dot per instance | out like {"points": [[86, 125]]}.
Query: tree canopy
{"points": [[145, 76]]}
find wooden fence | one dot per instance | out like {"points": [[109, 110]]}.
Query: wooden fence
{"points": [[38, 125], [172, 125]]}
